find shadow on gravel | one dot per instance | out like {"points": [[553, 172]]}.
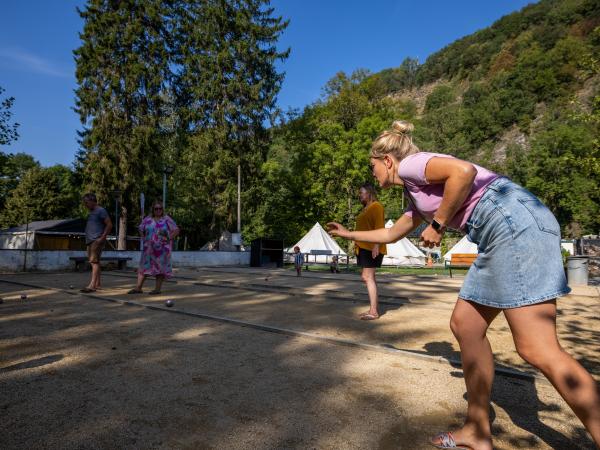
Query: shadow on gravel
{"points": [[518, 397], [36, 362]]}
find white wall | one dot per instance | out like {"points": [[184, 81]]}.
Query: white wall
{"points": [[16, 240], [12, 260]]}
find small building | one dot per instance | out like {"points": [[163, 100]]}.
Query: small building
{"points": [[61, 234]]}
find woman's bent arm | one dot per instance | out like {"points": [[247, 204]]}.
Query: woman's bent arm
{"points": [[403, 226]]}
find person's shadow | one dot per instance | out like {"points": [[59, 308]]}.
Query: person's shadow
{"points": [[518, 397]]}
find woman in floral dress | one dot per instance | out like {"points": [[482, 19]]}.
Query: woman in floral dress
{"points": [[157, 233]]}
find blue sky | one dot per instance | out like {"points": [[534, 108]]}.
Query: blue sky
{"points": [[37, 38]]}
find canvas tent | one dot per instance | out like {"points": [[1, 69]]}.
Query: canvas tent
{"points": [[462, 246], [317, 239], [402, 253]]}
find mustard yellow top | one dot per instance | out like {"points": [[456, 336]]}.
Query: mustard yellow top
{"points": [[370, 218]]}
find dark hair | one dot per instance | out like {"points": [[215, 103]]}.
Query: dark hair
{"points": [[90, 196], [370, 189]]}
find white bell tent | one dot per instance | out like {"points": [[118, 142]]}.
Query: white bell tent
{"points": [[462, 246], [317, 239], [402, 252]]}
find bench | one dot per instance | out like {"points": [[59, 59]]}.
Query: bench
{"points": [[80, 261], [461, 261], [328, 260]]}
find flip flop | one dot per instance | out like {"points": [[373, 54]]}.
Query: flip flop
{"points": [[369, 316], [447, 441], [87, 290]]}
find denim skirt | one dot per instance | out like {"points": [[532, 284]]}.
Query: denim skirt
{"points": [[519, 259]]}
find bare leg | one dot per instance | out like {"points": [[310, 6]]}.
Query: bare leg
{"points": [[469, 323], [534, 332], [159, 281], [140, 281], [368, 276], [95, 280]]}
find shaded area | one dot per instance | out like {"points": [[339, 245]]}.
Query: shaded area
{"points": [[36, 362], [131, 377]]}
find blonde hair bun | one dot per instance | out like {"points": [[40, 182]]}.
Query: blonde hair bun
{"points": [[396, 141], [402, 127]]}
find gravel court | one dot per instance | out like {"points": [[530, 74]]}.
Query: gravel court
{"points": [[419, 325], [517, 422], [82, 373]]}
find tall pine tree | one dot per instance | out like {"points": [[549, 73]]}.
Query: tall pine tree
{"points": [[189, 82], [123, 74], [226, 88]]}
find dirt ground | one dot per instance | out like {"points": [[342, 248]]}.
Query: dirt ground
{"points": [[258, 359]]}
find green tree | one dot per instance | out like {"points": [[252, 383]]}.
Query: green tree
{"points": [[226, 85], [8, 131], [40, 195], [562, 169], [12, 169], [123, 71]]}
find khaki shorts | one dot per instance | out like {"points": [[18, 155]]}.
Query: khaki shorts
{"points": [[94, 251]]}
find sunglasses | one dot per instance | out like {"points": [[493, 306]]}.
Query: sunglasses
{"points": [[158, 209]]}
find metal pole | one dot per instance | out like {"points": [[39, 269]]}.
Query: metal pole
{"points": [[26, 236], [164, 190], [239, 202], [142, 205], [117, 220]]}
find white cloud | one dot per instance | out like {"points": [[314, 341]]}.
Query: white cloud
{"points": [[33, 63]]}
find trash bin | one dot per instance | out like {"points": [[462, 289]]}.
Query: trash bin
{"points": [[266, 252], [577, 270]]}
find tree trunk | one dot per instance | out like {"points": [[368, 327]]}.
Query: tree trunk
{"points": [[122, 238]]}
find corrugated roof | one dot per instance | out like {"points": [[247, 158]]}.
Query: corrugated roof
{"points": [[73, 225]]}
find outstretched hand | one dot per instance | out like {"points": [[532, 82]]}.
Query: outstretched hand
{"points": [[336, 229]]}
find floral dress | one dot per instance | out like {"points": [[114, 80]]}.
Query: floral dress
{"points": [[156, 256]]}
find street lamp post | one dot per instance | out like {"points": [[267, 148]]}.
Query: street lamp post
{"points": [[117, 196], [167, 170], [26, 239]]}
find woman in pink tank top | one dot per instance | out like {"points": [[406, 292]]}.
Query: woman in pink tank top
{"points": [[518, 271]]}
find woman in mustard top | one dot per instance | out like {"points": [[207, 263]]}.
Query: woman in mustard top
{"points": [[369, 255]]}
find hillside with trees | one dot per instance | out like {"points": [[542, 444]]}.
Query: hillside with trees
{"points": [[521, 97], [192, 85]]}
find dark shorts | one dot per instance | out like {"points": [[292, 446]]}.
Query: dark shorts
{"points": [[94, 251], [364, 259]]}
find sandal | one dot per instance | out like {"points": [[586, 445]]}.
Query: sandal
{"points": [[135, 291], [446, 440], [87, 290], [369, 316], [153, 292]]}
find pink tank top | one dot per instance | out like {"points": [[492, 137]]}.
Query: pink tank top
{"points": [[425, 198]]}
